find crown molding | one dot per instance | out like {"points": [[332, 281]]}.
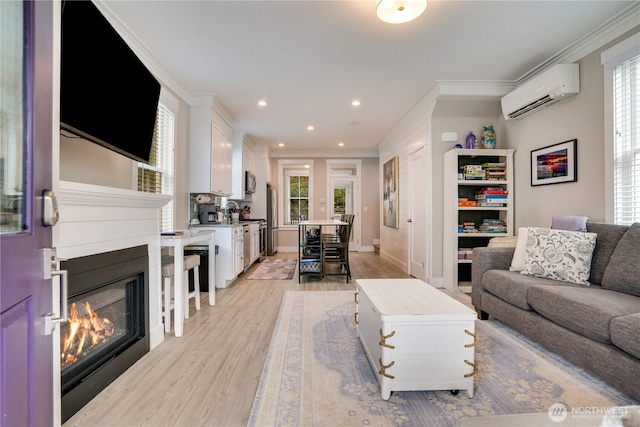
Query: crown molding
{"points": [[149, 59], [323, 154], [610, 30]]}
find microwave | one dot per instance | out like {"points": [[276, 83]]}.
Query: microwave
{"points": [[250, 182]]}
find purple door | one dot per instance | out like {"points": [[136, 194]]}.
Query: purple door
{"points": [[26, 351]]}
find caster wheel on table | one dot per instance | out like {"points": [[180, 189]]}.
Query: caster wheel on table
{"points": [[455, 392]]}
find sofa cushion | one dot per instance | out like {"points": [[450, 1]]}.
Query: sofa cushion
{"points": [[521, 249], [606, 242], [586, 311], [623, 271], [624, 333], [512, 287], [559, 254]]}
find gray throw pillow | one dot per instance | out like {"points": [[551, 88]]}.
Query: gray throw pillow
{"points": [[623, 271]]}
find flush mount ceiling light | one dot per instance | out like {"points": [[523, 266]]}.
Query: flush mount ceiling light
{"points": [[310, 127], [262, 103], [400, 11]]}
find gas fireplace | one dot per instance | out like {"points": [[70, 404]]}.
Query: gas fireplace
{"points": [[107, 329]]}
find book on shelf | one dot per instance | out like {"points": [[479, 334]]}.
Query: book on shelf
{"points": [[491, 205], [491, 196], [474, 175], [494, 165], [493, 190], [471, 168]]}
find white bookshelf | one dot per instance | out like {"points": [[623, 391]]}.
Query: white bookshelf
{"points": [[457, 272]]}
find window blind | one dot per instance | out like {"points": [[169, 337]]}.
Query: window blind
{"points": [[626, 151], [158, 175]]}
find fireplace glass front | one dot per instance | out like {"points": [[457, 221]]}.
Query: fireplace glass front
{"points": [[106, 331]]}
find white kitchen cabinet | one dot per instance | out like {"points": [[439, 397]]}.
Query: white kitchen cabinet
{"points": [[254, 230], [238, 256], [210, 152], [466, 227], [242, 162], [230, 258]]}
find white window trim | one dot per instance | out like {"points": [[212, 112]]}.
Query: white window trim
{"points": [[172, 103], [357, 163], [610, 58], [282, 164]]}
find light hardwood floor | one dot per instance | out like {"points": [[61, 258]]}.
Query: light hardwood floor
{"points": [[209, 376]]}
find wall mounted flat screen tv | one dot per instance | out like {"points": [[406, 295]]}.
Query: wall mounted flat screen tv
{"points": [[107, 95]]}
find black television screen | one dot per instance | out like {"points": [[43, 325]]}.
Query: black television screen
{"points": [[107, 95]]}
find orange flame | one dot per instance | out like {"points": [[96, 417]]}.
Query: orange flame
{"points": [[84, 333]]}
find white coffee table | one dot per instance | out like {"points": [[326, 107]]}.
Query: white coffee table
{"points": [[415, 336]]}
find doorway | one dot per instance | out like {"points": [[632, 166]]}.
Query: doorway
{"points": [[344, 195]]}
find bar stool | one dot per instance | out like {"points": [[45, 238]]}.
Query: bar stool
{"points": [[189, 262]]}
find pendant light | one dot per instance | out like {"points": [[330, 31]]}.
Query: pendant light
{"points": [[400, 11]]}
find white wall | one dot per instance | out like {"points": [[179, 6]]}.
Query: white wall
{"points": [[580, 117], [84, 161]]}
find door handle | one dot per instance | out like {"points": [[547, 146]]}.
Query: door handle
{"points": [[51, 269], [50, 214]]}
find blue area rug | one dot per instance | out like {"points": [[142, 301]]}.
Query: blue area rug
{"points": [[317, 374]]}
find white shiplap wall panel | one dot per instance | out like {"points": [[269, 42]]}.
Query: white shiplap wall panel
{"points": [[413, 132]]}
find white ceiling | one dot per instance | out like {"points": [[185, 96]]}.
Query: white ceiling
{"points": [[310, 59]]}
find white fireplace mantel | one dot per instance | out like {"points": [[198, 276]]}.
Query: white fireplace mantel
{"points": [[79, 194], [96, 219]]}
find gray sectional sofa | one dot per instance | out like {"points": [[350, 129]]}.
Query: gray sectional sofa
{"points": [[596, 327]]}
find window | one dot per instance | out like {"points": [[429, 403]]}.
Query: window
{"points": [[296, 177], [622, 131], [298, 197], [626, 147], [158, 175]]}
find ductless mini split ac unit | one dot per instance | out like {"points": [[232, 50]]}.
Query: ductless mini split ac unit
{"points": [[558, 83]]}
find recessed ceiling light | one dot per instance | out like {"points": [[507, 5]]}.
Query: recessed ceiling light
{"points": [[341, 144], [310, 127], [355, 103], [262, 103], [281, 144]]}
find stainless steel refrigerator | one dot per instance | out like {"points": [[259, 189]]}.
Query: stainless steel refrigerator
{"points": [[272, 220]]}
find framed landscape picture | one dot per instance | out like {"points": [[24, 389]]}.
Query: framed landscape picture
{"points": [[554, 164], [390, 193]]}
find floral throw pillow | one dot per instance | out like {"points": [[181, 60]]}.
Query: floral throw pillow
{"points": [[559, 254]]}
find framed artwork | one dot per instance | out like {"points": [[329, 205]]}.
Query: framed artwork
{"points": [[554, 164], [390, 193]]}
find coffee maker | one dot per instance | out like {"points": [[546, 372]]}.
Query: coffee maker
{"points": [[207, 214]]}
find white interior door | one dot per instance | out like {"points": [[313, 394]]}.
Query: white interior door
{"points": [[418, 238], [342, 200]]}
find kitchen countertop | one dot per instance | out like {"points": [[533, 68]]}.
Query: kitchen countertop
{"points": [[219, 224]]}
